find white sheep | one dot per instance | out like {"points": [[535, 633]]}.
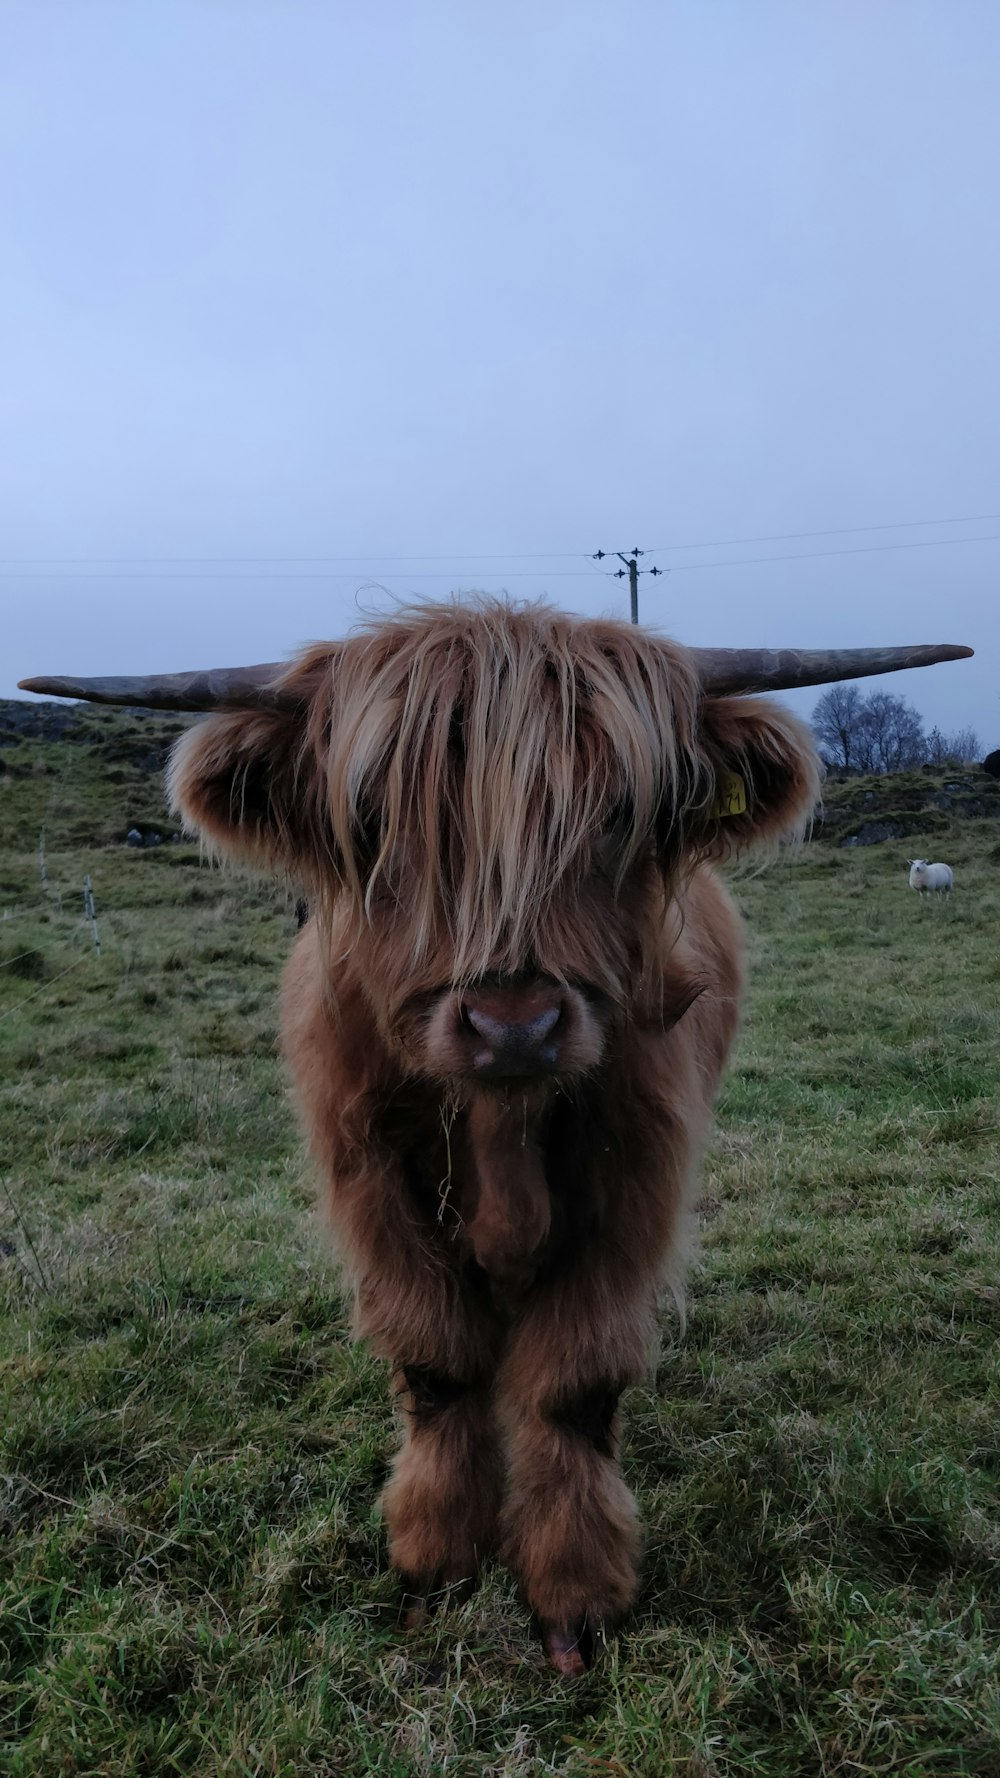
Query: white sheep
{"points": [[924, 876]]}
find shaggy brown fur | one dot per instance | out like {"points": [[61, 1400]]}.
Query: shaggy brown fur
{"points": [[506, 1022]]}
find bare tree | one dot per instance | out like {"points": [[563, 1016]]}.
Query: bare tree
{"points": [[959, 748], [891, 736], [836, 721], [877, 733]]}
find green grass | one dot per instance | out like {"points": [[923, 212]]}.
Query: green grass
{"points": [[193, 1573]]}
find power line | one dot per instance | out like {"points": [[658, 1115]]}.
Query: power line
{"points": [[813, 555], [498, 555], [980, 518], [127, 575], [565, 555]]}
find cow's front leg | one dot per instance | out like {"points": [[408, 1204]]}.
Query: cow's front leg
{"points": [[443, 1497], [569, 1524], [439, 1335], [570, 1530]]}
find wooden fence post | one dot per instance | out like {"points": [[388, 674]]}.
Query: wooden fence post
{"points": [[90, 912]]}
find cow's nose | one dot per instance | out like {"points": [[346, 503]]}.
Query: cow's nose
{"points": [[514, 1046]]}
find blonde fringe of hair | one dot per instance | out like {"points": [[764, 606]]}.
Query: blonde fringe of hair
{"points": [[489, 747]]}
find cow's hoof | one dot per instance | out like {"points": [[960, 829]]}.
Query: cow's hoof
{"points": [[414, 1610], [569, 1646], [421, 1598]]}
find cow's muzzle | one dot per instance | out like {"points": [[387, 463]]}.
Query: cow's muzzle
{"points": [[507, 1033], [511, 1043]]}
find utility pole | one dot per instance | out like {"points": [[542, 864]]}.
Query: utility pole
{"points": [[633, 570]]}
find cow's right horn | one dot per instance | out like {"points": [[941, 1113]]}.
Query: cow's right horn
{"points": [[727, 670]]}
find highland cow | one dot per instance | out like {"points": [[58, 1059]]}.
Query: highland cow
{"points": [[506, 1019]]}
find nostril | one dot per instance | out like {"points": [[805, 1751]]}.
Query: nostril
{"points": [[545, 1022], [473, 1019]]}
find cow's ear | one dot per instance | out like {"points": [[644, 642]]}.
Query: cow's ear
{"points": [[763, 773], [243, 782]]}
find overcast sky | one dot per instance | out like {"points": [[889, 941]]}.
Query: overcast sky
{"points": [[281, 281]]}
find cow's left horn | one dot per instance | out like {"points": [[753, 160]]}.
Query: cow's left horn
{"points": [[220, 688], [725, 670]]}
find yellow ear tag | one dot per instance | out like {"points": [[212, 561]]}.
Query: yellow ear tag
{"points": [[732, 796]]}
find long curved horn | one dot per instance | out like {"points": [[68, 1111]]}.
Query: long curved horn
{"points": [[220, 688], [726, 670]]}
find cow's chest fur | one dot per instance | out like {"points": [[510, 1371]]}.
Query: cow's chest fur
{"points": [[508, 1181]]}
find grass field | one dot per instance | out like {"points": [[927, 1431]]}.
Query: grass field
{"points": [[193, 1572]]}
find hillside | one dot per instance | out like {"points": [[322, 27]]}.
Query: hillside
{"points": [[925, 803], [85, 773]]}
